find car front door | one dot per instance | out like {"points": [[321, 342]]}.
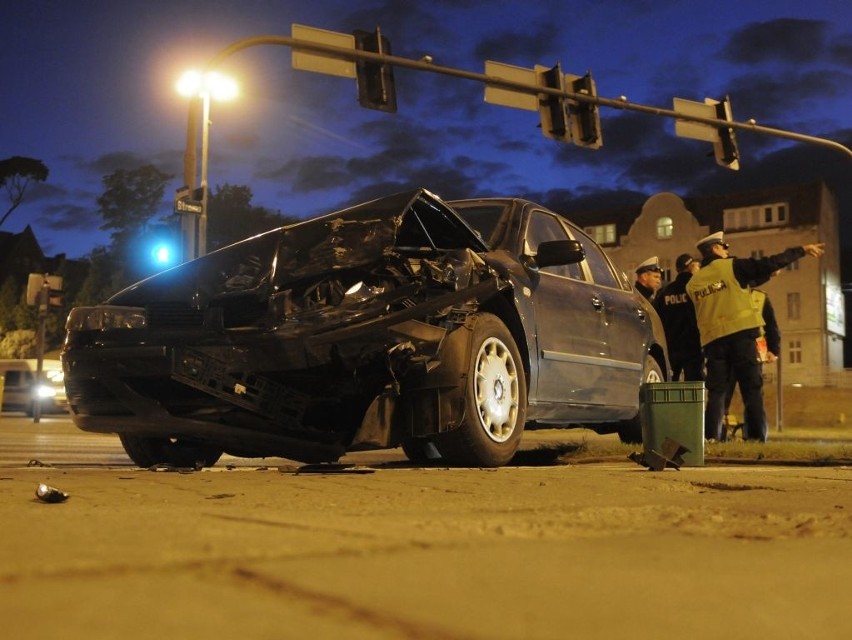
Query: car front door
{"points": [[569, 322]]}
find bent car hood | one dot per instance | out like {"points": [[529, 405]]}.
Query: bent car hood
{"points": [[284, 258]]}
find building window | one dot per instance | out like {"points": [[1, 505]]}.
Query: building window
{"points": [[794, 308], [756, 217], [793, 266], [665, 227], [795, 352], [602, 233], [757, 253]]}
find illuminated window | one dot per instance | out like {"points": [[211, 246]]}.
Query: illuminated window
{"points": [[602, 233], [755, 217], [665, 227], [794, 306], [795, 352]]}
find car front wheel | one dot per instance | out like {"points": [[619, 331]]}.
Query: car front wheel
{"points": [[495, 399], [176, 452]]}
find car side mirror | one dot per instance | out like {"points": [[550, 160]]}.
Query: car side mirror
{"points": [[559, 252]]}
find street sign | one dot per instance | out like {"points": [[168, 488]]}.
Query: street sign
{"points": [[323, 63], [188, 206], [723, 138], [696, 130], [511, 97]]}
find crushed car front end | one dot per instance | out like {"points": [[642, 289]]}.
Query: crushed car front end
{"points": [[299, 342]]}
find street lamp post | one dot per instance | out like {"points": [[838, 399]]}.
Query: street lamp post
{"points": [[200, 89], [188, 222], [205, 148]]}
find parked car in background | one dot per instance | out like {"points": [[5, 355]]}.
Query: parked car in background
{"points": [[22, 389], [444, 328]]}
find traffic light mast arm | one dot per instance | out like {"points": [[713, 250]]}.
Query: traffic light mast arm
{"points": [[427, 65]]}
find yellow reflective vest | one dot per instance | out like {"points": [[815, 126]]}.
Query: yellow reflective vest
{"points": [[722, 306]]}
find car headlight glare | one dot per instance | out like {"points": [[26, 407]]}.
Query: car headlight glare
{"points": [[44, 391]]}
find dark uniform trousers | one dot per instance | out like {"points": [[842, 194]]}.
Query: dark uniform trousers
{"points": [[730, 358]]}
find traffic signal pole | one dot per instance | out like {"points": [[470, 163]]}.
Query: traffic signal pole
{"points": [[426, 64]]}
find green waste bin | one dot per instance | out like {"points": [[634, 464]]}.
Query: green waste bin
{"points": [[674, 410]]}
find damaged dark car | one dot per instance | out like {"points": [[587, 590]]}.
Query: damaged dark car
{"points": [[444, 328]]}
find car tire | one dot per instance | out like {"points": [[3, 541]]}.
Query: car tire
{"points": [[495, 399], [175, 452], [630, 431]]}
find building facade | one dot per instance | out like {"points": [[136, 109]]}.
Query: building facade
{"points": [[806, 296]]}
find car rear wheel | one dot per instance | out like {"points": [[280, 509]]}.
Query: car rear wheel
{"points": [[177, 452], [495, 399], [630, 431]]}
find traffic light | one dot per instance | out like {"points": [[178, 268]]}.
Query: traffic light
{"points": [[725, 148], [376, 88], [585, 117], [552, 108], [44, 290]]}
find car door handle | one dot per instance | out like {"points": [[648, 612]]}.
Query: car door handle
{"points": [[597, 303]]}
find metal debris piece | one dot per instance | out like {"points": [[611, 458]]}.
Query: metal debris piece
{"points": [[674, 450], [671, 456], [46, 493], [170, 468], [332, 468]]}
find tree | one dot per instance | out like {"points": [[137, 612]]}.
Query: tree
{"points": [[130, 205], [10, 295], [131, 200], [21, 343], [231, 216], [105, 277], [16, 173]]}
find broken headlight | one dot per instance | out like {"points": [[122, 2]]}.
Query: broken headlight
{"points": [[104, 318]]}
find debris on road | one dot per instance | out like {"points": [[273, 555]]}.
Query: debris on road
{"points": [[671, 456], [49, 494]]}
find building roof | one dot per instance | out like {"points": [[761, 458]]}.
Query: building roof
{"points": [[804, 205]]}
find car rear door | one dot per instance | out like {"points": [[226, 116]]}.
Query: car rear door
{"points": [[626, 327]]}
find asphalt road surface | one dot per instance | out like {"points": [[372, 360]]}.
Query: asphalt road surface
{"points": [[378, 548]]}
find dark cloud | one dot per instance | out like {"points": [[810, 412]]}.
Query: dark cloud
{"points": [[41, 191], [69, 216], [533, 43], [310, 174], [840, 50], [108, 163], [771, 96], [588, 198], [785, 39]]}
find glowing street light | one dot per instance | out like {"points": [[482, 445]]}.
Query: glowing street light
{"points": [[200, 87]]}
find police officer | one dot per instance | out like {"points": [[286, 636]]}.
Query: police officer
{"points": [[649, 277], [768, 343], [677, 314], [729, 326]]}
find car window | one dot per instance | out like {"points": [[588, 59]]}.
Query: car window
{"points": [[427, 224], [489, 220], [14, 378], [544, 227], [597, 262]]}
